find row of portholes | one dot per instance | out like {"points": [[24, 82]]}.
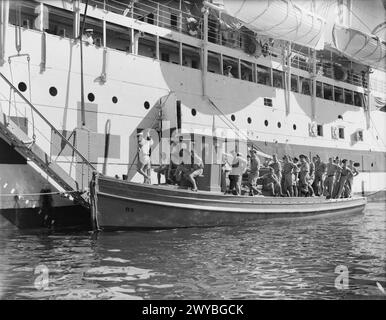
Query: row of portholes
{"points": [[91, 97], [249, 120]]}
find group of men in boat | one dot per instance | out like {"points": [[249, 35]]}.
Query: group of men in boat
{"points": [[291, 177]]}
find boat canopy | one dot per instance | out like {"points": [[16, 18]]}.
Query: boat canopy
{"points": [[359, 46], [279, 19]]}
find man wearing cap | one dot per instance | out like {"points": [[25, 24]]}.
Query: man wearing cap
{"points": [[228, 72], [88, 37], [143, 164], [271, 184], [345, 174], [350, 180]]}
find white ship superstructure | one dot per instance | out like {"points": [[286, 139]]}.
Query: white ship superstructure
{"points": [[289, 87]]}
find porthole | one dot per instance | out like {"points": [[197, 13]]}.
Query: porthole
{"points": [[146, 105], [91, 97], [372, 164], [115, 99], [53, 91], [22, 86], [194, 112], [279, 125], [266, 123], [233, 118], [340, 117], [294, 126], [249, 120]]}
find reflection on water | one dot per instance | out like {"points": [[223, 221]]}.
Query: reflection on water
{"points": [[274, 259]]}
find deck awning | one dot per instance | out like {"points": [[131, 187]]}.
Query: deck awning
{"points": [[359, 46], [279, 19]]}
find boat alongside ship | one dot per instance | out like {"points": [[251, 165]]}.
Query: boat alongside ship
{"points": [[163, 65], [119, 204]]}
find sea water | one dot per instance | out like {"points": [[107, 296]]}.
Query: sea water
{"points": [[342, 257]]}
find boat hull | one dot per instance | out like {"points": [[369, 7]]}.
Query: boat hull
{"points": [[121, 205]]}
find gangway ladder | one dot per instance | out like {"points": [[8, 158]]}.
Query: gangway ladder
{"points": [[16, 137]]}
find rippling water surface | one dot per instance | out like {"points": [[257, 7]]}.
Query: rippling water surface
{"points": [[273, 259]]}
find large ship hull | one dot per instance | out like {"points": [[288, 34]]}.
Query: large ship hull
{"points": [[125, 91]]}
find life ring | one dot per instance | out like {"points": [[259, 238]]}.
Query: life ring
{"points": [[192, 26]]}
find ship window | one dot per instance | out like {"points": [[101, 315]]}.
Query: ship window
{"points": [[341, 133], [358, 99], [278, 78], [194, 112], [146, 105], [53, 91], [231, 67], [247, 71], [146, 45], [115, 99], [266, 123], [91, 97], [294, 126], [327, 91], [118, 37], [319, 130], [319, 89], [169, 51], [190, 56], [150, 18], [305, 85], [249, 120], [173, 21], [263, 75], [214, 64], [279, 125], [348, 96], [294, 83], [233, 117], [268, 102], [22, 86], [338, 93]]}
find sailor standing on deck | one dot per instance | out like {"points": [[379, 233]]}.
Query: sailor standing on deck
{"points": [[88, 37], [144, 165]]}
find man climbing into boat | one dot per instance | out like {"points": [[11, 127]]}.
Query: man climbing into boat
{"points": [[196, 169], [350, 180], [275, 164], [304, 176], [143, 164], [271, 185]]}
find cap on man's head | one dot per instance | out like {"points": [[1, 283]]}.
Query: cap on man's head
{"points": [[344, 160], [302, 156], [89, 30], [139, 134]]}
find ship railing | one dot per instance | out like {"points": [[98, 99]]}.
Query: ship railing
{"points": [[154, 13], [52, 147]]}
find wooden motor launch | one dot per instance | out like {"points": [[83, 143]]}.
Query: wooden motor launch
{"points": [[119, 204]]}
